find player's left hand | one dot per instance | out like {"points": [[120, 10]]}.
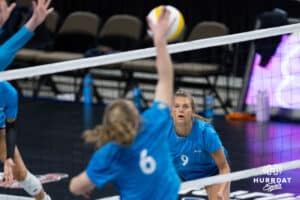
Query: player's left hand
{"points": [[40, 11]]}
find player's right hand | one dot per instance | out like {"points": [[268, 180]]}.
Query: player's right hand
{"points": [[8, 177]]}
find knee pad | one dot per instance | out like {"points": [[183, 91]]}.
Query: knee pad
{"points": [[31, 184]]}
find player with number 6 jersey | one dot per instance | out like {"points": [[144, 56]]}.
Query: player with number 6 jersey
{"points": [[133, 151]]}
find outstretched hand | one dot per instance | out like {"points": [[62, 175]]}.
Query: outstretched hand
{"points": [[161, 27], [40, 11], [5, 11], [8, 171]]}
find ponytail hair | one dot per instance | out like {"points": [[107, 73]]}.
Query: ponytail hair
{"points": [[120, 124], [97, 136], [199, 117]]}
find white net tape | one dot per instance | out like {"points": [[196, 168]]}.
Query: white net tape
{"points": [[144, 53], [234, 176]]}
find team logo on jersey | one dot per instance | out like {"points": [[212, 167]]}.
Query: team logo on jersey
{"points": [[197, 150]]}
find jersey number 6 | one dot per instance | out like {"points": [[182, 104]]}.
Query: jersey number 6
{"points": [[147, 163]]}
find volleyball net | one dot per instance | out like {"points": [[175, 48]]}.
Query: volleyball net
{"points": [[267, 58], [237, 64]]}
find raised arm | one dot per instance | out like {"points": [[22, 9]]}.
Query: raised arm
{"points": [[9, 49], [164, 88]]}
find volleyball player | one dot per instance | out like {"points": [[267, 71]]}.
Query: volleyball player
{"points": [[133, 150], [14, 166], [196, 148]]}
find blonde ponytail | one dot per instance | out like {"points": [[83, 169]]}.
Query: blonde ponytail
{"points": [[97, 136], [120, 124], [199, 117]]}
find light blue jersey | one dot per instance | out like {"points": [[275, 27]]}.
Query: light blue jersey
{"points": [[8, 95], [10, 47], [191, 154], [8, 103], [144, 170]]}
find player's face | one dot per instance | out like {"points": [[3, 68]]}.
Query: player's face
{"points": [[182, 111]]}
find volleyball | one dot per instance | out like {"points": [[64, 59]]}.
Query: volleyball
{"points": [[176, 21]]}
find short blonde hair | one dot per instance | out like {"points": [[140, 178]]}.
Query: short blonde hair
{"points": [[120, 124]]}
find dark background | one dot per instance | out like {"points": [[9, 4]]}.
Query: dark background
{"points": [[238, 15]]}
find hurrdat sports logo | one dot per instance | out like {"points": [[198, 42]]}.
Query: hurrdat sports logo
{"points": [[272, 180]]}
